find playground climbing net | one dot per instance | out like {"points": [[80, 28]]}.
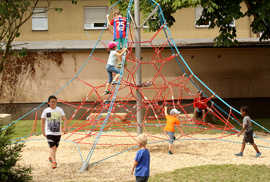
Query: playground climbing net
{"points": [[110, 120]]}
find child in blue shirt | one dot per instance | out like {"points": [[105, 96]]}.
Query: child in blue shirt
{"points": [[142, 161]]}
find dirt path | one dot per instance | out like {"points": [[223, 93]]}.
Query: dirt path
{"points": [[187, 153]]}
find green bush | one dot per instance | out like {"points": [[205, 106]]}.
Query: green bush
{"points": [[10, 154]]}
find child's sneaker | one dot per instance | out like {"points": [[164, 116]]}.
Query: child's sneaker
{"points": [[106, 92], [54, 165], [240, 154], [170, 152], [114, 82], [258, 154]]}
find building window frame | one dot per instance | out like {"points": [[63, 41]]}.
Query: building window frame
{"points": [[198, 13], [40, 20], [89, 23]]}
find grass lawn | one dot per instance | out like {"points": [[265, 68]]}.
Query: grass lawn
{"points": [[24, 127], [216, 173]]}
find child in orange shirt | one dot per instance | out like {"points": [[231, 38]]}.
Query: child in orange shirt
{"points": [[171, 121]]}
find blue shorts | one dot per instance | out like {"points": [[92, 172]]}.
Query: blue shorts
{"points": [[172, 137], [111, 69]]}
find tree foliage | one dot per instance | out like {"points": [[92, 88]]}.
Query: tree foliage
{"points": [[10, 154], [220, 14], [13, 14]]}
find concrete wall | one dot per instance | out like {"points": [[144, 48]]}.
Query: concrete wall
{"points": [[68, 25], [231, 73], [50, 78]]}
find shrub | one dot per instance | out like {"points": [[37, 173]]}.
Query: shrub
{"points": [[10, 154]]}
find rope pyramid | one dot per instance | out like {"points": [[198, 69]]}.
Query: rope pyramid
{"points": [[156, 92]]}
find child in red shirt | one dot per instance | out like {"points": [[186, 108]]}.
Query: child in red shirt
{"points": [[119, 28], [200, 107]]}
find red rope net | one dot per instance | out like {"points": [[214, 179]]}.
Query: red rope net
{"points": [[163, 86]]}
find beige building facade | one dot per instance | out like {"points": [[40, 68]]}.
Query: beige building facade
{"points": [[70, 24], [230, 72]]}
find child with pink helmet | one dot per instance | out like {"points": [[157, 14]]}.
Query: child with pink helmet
{"points": [[114, 57]]}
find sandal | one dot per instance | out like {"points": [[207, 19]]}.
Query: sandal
{"points": [[54, 165]]}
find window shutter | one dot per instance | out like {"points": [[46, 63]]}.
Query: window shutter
{"points": [[40, 19], [198, 12], [95, 17]]}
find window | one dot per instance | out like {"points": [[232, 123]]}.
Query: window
{"points": [[40, 19], [95, 18], [198, 14]]}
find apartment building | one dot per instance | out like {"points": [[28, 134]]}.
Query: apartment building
{"points": [[70, 36]]}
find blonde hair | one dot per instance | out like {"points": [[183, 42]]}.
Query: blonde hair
{"points": [[116, 12], [142, 139]]}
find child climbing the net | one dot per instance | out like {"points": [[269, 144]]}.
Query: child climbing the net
{"points": [[119, 28], [114, 57], [201, 108]]}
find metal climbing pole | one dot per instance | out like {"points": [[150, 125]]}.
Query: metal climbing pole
{"points": [[138, 64]]}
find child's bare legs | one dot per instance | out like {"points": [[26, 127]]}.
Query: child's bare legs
{"points": [[170, 147], [171, 140], [258, 153], [53, 153], [107, 87], [203, 115], [243, 147], [52, 157], [194, 118], [255, 148]]}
